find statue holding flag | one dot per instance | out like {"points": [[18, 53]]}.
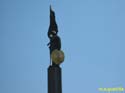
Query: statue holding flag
{"points": [[56, 54]]}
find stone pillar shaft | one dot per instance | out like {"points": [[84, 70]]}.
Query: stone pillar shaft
{"points": [[54, 79]]}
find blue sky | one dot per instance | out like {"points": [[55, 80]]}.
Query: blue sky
{"points": [[92, 34]]}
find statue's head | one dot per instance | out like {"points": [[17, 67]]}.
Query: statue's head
{"points": [[52, 34]]}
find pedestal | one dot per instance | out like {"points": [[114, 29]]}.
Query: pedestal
{"points": [[54, 79]]}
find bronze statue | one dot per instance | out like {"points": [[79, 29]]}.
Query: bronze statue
{"points": [[55, 41]]}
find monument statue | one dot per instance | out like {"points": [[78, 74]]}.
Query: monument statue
{"points": [[55, 41], [56, 55]]}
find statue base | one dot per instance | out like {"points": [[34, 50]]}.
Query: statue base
{"points": [[54, 79]]}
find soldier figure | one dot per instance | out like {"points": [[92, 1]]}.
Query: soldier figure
{"points": [[55, 42]]}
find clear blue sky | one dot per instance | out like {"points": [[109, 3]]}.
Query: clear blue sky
{"points": [[93, 39]]}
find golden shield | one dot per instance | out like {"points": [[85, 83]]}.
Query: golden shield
{"points": [[57, 56]]}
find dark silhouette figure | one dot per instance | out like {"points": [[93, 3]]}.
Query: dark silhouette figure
{"points": [[55, 42]]}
